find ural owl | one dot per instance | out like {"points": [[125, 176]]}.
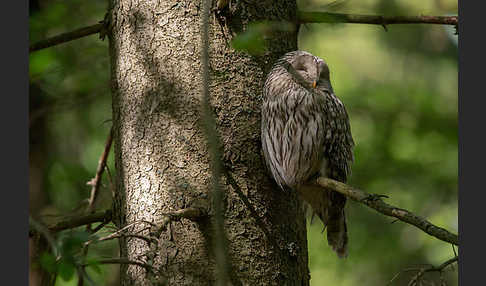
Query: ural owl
{"points": [[305, 134]]}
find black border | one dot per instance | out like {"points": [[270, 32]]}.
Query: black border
{"points": [[14, 120], [472, 131]]}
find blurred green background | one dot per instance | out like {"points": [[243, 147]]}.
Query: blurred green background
{"points": [[401, 91]]}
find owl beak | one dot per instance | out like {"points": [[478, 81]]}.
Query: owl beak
{"points": [[314, 84]]}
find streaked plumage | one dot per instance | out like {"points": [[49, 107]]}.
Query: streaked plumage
{"points": [[306, 133]]}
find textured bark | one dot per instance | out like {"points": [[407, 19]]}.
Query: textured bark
{"points": [[161, 154]]}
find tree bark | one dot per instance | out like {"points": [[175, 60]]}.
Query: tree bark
{"points": [[161, 152]]}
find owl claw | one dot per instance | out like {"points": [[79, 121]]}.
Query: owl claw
{"points": [[374, 197]]}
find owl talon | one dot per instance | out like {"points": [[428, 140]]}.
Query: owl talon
{"points": [[374, 197]]}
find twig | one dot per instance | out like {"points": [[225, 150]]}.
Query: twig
{"points": [[118, 233], [101, 216], [421, 271], [66, 37], [327, 17], [113, 236], [376, 203], [416, 279], [213, 142], [96, 181], [119, 261], [443, 265], [100, 226], [112, 186], [187, 213]]}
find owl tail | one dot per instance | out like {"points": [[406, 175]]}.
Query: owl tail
{"points": [[329, 207]]}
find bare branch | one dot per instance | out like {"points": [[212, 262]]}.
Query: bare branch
{"points": [[326, 17], [374, 202], [422, 270], [101, 216], [420, 274], [119, 233], [120, 261], [443, 265], [303, 17], [66, 37], [187, 213], [96, 181]]}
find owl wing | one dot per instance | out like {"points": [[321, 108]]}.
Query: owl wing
{"points": [[338, 143]]}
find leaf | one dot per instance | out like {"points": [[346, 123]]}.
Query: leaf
{"points": [[48, 262], [66, 270], [94, 264], [72, 242], [251, 40]]}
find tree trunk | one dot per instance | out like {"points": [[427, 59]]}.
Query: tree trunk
{"points": [[161, 152]]}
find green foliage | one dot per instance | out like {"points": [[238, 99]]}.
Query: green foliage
{"points": [[48, 262], [252, 40], [70, 244], [72, 87]]}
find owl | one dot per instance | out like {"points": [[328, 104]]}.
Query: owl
{"points": [[305, 133]]}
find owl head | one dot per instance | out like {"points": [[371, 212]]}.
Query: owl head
{"points": [[307, 69]]}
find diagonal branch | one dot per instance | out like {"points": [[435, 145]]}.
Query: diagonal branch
{"points": [[120, 260], [96, 181], [101, 216], [66, 37], [421, 271], [327, 17], [374, 202]]}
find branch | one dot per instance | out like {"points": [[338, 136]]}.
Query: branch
{"points": [[102, 216], [192, 213], [443, 265], [119, 233], [96, 181], [67, 37], [416, 280], [421, 271], [303, 17], [119, 261], [326, 17], [374, 202]]}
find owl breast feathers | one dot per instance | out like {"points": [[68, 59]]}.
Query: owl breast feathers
{"points": [[306, 133]]}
